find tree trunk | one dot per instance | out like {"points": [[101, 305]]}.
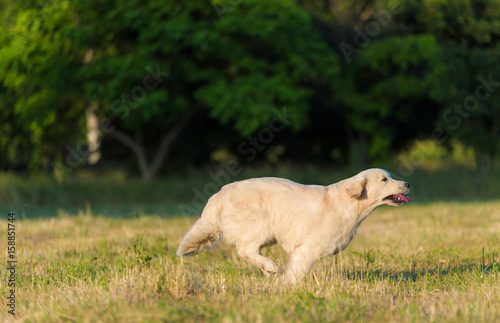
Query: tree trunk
{"points": [[150, 171], [92, 134], [358, 159]]}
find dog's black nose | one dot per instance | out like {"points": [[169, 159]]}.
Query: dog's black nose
{"points": [[407, 184]]}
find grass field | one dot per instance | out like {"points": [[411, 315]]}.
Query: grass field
{"points": [[434, 262]]}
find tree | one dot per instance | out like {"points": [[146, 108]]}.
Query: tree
{"points": [[469, 33], [42, 107], [148, 67], [389, 92]]}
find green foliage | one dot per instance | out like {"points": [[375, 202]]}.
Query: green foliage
{"points": [[469, 32], [146, 64], [36, 64], [260, 56], [472, 112], [276, 68], [464, 22], [387, 86]]}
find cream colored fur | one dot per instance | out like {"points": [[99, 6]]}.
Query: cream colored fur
{"points": [[307, 221]]}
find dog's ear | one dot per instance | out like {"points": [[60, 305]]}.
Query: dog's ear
{"points": [[356, 188]]}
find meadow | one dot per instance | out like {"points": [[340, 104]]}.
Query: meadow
{"points": [[430, 261]]}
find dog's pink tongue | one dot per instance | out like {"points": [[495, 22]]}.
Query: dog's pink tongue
{"points": [[403, 197]]}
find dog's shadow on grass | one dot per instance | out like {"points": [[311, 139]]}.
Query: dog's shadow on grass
{"points": [[486, 269]]}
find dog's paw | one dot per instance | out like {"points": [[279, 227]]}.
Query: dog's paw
{"points": [[269, 268]]}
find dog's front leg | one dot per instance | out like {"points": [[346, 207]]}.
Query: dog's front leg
{"points": [[299, 263]]}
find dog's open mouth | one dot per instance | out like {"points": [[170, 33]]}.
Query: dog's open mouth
{"points": [[398, 198]]}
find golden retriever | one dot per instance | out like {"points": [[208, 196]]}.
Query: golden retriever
{"points": [[307, 221]]}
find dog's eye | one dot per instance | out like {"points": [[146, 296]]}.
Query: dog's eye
{"points": [[384, 179]]}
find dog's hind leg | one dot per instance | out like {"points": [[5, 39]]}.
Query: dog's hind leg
{"points": [[251, 253]]}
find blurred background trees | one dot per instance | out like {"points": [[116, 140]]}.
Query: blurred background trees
{"points": [[172, 84]]}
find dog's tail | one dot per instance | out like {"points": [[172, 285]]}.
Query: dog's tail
{"points": [[205, 233]]}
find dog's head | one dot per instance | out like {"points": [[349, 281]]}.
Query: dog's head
{"points": [[376, 186]]}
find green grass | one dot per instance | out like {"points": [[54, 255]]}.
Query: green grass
{"points": [[436, 262], [117, 196]]}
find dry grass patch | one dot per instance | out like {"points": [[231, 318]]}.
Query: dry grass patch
{"points": [[436, 262]]}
